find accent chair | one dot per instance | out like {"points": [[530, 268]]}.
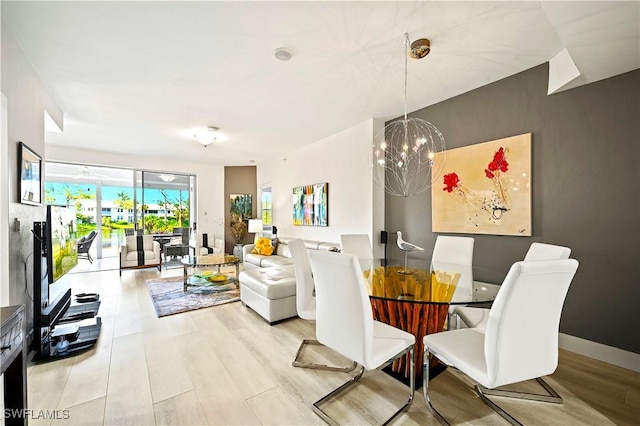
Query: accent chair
{"points": [[84, 244], [140, 251]]}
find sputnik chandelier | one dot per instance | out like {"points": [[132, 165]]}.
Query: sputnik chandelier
{"points": [[404, 152]]}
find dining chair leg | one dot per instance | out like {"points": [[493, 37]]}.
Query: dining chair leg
{"points": [[425, 388], [316, 405], [483, 392], [412, 385], [301, 364], [551, 397], [453, 321], [331, 421]]}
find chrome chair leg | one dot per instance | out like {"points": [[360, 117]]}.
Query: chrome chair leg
{"points": [[331, 421], [425, 388], [316, 405], [483, 392], [297, 363], [453, 321], [551, 397]]}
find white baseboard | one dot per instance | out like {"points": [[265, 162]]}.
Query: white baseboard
{"points": [[609, 354]]}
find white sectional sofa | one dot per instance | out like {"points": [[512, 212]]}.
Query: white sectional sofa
{"points": [[268, 283]]}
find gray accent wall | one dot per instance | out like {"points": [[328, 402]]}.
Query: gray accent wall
{"points": [[585, 191]]}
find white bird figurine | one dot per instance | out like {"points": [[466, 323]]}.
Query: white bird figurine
{"points": [[406, 247]]}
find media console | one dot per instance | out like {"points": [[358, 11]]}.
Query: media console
{"points": [[61, 327]]}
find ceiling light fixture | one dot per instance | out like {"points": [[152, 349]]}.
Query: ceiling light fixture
{"points": [[404, 152], [167, 178], [208, 136], [420, 48], [282, 54]]}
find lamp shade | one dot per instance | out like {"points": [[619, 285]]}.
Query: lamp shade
{"points": [[255, 225]]}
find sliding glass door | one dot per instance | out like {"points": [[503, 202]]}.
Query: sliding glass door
{"points": [[101, 197], [115, 202], [163, 201]]}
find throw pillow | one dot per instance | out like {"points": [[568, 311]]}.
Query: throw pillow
{"points": [[263, 246]]}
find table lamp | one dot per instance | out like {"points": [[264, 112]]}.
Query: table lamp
{"points": [[255, 226]]}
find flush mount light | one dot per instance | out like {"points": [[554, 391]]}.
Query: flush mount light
{"points": [[420, 48], [282, 54], [208, 136], [167, 178]]}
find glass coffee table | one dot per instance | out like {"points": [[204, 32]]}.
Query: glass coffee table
{"points": [[195, 274]]}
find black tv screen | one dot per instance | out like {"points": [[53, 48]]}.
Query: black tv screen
{"points": [[62, 250]]}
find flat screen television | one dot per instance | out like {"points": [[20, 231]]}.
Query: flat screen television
{"points": [[61, 240]]}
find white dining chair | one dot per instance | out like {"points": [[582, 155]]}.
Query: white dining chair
{"points": [[542, 251], [455, 254], [358, 245], [344, 322], [478, 317], [306, 304], [520, 341]]}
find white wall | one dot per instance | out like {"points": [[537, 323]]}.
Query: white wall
{"points": [[378, 201], [209, 179], [4, 203], [26, 101], [342, 160]]}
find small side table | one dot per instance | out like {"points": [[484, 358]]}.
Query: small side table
{"points": [[13, 359], [172, 251]]}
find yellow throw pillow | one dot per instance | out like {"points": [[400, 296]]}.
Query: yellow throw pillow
{"points": [[263, 246]]}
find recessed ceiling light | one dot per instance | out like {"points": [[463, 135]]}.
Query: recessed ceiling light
{"points": [[282, 54]]}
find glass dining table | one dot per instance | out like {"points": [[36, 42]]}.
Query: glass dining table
{"points": [[418, 301]]}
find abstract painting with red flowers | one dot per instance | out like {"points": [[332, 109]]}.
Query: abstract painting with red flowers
{"points": [[485, 189]]}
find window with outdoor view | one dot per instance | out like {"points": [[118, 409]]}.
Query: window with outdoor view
{"points": [[111, 200], [267, 208]]}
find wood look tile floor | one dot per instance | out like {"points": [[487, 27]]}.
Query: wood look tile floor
{"points": [[225, 365]]}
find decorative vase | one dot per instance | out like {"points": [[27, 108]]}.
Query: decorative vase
{"points": [[237, 251]]}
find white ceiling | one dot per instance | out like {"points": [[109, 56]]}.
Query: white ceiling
{"points": [[133, 76]]}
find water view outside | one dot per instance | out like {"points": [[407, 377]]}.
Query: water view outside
{"points": [[163, 209]]}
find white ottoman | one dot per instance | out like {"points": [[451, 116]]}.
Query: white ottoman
{"points": [[271, 292]]}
